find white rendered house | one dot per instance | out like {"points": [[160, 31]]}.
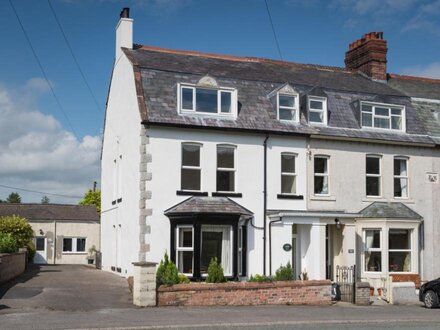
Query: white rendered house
{"points": [[260, 162]]}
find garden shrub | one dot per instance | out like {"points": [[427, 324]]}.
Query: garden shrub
{"points": [[8, 244], [18, 227], [284, 273], [215, 272], [167, 272], [260, 278], [183, 279]]}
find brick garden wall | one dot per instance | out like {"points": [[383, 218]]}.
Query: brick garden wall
{"points": [[246, 293], [11, 265]]}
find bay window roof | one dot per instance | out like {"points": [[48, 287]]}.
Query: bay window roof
{"points": [[389, 210]]}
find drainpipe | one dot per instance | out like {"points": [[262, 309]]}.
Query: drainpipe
{"points": [[270, 244], [265, 203]]}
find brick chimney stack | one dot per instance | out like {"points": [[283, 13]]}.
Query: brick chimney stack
{"points": [[368, 55]]}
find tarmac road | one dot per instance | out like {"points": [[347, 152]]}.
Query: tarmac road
{"points": [[78, 297]]}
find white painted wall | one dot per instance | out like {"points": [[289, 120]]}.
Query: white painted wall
{"points": [[347, 185], [55, 233], [165, 147], [120, 172]]}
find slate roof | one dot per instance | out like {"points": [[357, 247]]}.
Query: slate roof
{"points": [[59, 212], [158, 71], [416, 87], [204, 205], [389, 210]]}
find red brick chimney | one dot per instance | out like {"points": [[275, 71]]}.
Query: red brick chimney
{"points": [[368, 55]]}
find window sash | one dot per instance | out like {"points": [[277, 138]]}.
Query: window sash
{"points": [[402, 180], [73, 248], [321, 112], [373, 175], [371, 113], [184, 249], [231, 170], [221, 109], [293, 110], [192, 168], [370, 251], [325, 189]]}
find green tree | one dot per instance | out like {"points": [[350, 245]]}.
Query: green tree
{"points": [[45, 200], [92, 198], [13, 198], [167, 272], [18, 227]]}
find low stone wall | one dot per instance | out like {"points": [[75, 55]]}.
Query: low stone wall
{"points": [[11, 265], [246, 293]]}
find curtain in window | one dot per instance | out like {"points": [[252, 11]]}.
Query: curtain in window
{"points": [[208, 247]]}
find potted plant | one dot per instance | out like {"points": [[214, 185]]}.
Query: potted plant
{"points": [[91, 256]]}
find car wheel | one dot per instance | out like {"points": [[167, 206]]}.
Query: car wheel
{"points": [[430, 299]]}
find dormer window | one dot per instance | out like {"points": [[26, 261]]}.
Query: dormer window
{"points": [[211, 101], [288, 107], [317, 110], [383, 116]]}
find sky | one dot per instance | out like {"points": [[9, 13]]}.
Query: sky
{"points": [[52, 144]]}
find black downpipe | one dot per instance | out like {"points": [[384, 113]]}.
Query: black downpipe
{"points": [[270, 244], [265, 204]]}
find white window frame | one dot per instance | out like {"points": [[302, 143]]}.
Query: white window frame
{"points": [[322, 174], [294, 108], [184, 249], [323, 110], [389, 117], [294, 174], [379, 249], [367, 175], [410, 250], [227, 169], [74, 245], [187, 167], [232, 91], [406, 159]]}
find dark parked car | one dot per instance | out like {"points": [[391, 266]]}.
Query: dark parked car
{"points": [[430, 293]]}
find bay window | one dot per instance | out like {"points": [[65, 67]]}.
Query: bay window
{"points": [[191, 170], [399, 250], [185, 249], [372, 250], [401, 177], [216, 242]]}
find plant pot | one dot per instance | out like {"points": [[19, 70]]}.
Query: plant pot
{"points": [[90, 261]]}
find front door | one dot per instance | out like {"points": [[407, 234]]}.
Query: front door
{"points": [[41, 253]]}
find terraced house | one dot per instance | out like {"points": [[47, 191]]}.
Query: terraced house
{"points": [[261, 162]]}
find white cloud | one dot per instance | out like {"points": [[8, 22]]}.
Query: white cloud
{"points": [[430, 71], [363, 7], [426, 18], [37, 153]]}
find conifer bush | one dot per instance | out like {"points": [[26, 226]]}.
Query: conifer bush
{"points": [[284, 273], [215, 272], [167, 272]]}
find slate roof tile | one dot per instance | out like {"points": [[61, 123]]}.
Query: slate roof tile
{"points": [[59, 212], [204, 205]]}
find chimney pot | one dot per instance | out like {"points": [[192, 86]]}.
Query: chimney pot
{"points": [[125, 13]]}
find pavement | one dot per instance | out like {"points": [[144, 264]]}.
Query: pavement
{"points": [[79, 297]]}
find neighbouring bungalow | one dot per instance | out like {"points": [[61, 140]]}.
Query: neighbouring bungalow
{"points": [[64, 234]]}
